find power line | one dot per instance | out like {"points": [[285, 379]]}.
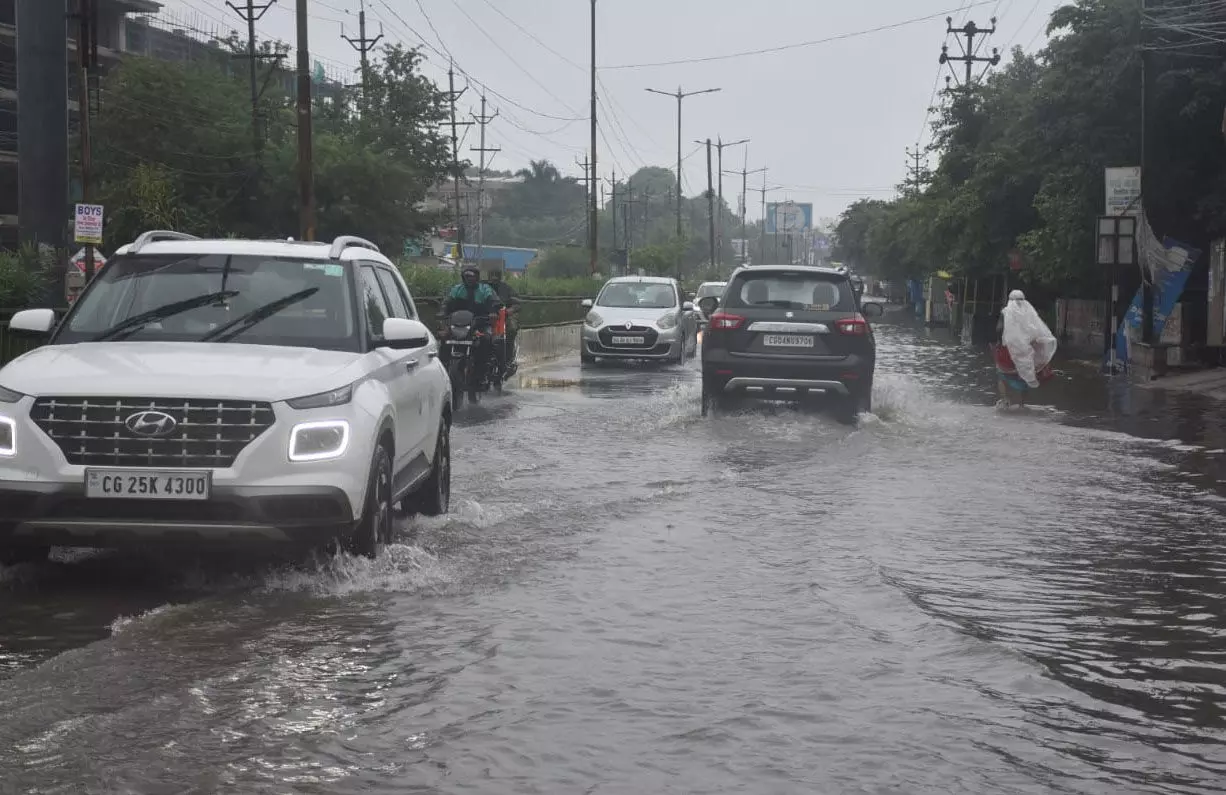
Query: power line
{"points": [[798, 45]]}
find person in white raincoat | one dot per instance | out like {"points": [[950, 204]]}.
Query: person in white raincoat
{"points": [[1026, 348]]}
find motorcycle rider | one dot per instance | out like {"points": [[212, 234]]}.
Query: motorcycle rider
{"points": [[508, 298], [471, 294]]}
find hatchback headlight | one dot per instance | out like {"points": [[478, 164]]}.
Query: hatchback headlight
{"points": [[8, 437], [667, 321], [594, 320], [319, 441]]}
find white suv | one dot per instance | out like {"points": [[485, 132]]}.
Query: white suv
{"points": [[224, 391]]}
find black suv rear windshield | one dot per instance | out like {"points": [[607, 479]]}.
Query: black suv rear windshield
{"points": [[215, 297], [800, 291]]}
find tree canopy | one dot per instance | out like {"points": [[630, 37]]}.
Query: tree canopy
{"points": [[1021, 159]]}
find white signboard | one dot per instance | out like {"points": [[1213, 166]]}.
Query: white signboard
{"points": [[87, 224], [1123, 191]]}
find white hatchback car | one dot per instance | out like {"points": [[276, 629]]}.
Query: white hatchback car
{"points": [[639, 317], [224, 391]]}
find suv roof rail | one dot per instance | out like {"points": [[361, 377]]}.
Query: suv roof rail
{"points": [[154, 235], [345, 241]]}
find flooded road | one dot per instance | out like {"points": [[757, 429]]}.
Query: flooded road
{"points": [[630, 598]]}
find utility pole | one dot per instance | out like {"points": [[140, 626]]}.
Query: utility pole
{"points": [[363, 46], [915, 170], [710, 204], [306, 159], [628, 225], [251, 14], [483, 120], [453, 95], [613, 209], [592, 227], [719, 169], [1147, 281], [87, 61], [970, 50], [745, 172], [42, 124], [587, 196], [762, 238], [679, 96]]}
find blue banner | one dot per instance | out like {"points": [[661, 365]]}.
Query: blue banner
{"points": [[1168, 289]]}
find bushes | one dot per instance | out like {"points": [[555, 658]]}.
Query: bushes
{"points": [[24, 277]]}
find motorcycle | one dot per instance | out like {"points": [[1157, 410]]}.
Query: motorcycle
{"points": [[465, 336]]}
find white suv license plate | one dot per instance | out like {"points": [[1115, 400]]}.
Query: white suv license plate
{"points": [[788, 340], [148, 484], [628, 340]]}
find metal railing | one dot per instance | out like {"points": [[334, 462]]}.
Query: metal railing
{"points": [[534, 313]]}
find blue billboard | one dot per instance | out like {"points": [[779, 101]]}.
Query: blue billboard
{"points": [[788, 218]]}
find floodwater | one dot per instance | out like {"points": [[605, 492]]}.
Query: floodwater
{"points": [[630, 598]]}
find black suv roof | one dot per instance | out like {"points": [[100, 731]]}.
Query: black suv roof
{"points": [[814, 269]]}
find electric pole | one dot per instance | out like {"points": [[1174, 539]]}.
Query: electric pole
{"points": [[363, 46], [970, 50], [306, 160], [745, 172], [628, 225], [762, 238], [592, 226], [679, 96], [915, 169], [587, 195], [42, 124], [613, 209], [87, 60], [252, 13], [719, 169], [483, 120], [710, 204], [452, 96]]}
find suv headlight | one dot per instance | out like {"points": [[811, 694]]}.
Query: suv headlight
{"points": [[318, 441], [594, 320], [667, 321], [337, 397], [8, 437], [9, 396]]}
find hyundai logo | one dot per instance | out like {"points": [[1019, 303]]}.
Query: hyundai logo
{"points": [[151, 424]]}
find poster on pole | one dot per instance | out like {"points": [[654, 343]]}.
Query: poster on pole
{"points": [[87, 224], [788, 218], [1123, 191]]}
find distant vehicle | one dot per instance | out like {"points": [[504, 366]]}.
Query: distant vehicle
{"points": [[783, 332], [702, 298], [238, 391], [639, 317]]}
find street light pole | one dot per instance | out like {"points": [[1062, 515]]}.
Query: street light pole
{"points": [[719, 223], [680, 95]]}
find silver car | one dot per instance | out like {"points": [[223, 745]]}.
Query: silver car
{"points": [[707, 290], [639, 317]]}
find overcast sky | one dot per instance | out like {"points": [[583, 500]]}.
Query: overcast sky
{"points": [[830, 121]]}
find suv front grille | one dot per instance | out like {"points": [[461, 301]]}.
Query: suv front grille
{"points": [[93, 431]]}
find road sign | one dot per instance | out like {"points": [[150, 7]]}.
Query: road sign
{"points": [[1123, 191], [87, 224]]}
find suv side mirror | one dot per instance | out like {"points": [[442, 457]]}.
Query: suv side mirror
{"points": [[33, 321], [586, 303], [403, 335], [872, 309]]}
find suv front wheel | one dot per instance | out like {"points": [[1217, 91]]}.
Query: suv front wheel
{"points": [[375, 528]]}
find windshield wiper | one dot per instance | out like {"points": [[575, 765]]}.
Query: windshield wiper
{"points": [[136, 322], [238, 325]]}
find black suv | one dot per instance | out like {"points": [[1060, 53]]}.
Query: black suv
{"points": [[784, 331]]}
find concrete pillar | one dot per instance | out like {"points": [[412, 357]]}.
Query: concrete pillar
{"points": [[42, 120]]}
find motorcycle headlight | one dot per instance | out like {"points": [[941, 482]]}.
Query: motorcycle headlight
{"points": [[459, 332], [318, 441], [594, 320], [667, 321]]}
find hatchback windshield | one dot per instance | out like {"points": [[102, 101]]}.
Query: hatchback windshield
{"points": [[215, 297], [636, 295], [799, 291], [710, 290]]}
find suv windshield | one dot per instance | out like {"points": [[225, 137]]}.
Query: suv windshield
{"points": [[637, 295], [219, 298], [802, 291]]}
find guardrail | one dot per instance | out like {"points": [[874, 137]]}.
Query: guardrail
{"points": [[535, 312]]}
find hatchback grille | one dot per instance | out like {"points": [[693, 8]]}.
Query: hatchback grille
{"points": [[649, 335], [93, 431]]}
